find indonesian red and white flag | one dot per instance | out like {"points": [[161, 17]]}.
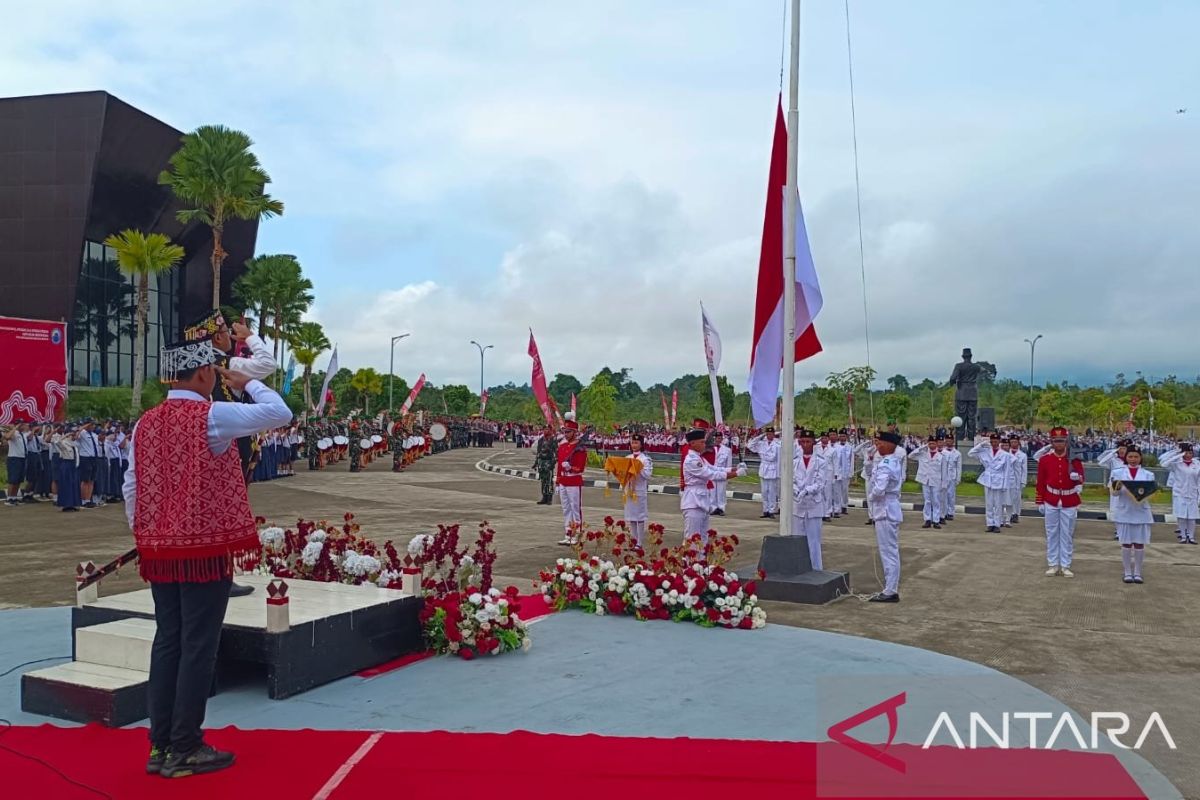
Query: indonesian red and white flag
{"points": [[666, 414], [412, 396], [326, 395], [767, 357], [538, 381], [573, 404]]}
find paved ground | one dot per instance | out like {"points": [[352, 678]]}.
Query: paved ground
{"points": [[1091, 642]]}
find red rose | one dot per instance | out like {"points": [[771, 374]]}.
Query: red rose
{"points": [[746, 623], [750, 587], [512, 591], [713, 614], [466, 653], [608, 521]]}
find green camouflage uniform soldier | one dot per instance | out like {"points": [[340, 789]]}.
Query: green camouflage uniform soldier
{"points": [[545, 463], [355, 450], [310, 445], [396, 445]]}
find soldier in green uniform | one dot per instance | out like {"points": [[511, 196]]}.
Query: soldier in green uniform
{"points": [[355, 449], [310, 445], [545, 463], [396, 444]]}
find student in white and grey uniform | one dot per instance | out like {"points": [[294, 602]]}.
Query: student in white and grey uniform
{"points": [[15, 463], [90, 455]]}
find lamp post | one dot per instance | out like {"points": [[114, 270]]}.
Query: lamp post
{"points": [[482, 348], [392, 371], [1032, 347]]}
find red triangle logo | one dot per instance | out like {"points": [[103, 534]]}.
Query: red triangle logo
{"points": [[837, 732]]}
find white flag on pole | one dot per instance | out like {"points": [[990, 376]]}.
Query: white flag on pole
{"points": [[329, 373], [712, 355]]}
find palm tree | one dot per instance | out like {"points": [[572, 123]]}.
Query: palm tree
{"points": [[217, 177], [308, 341], [140, 255], [275, 286], [367, 382]]}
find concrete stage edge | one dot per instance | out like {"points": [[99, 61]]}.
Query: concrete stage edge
{"points": [[647, 679]]}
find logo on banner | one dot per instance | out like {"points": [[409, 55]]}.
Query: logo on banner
{"points": [[56, 336]]}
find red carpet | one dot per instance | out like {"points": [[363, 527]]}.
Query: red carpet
{"points": [[532, 607], [299, 764]]}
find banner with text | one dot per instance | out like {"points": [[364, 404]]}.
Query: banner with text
{"points": [[33, 372]]}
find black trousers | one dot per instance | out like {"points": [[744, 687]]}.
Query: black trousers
{"points": [[183, 659]]}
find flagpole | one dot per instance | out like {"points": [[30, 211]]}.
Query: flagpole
{"points": [[788, 413]]}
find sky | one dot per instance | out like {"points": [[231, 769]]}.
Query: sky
{"points": [[593, 171]]}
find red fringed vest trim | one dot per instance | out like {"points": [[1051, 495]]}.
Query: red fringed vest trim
{"points": [[191, 519]]}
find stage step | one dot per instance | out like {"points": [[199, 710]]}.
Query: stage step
{"points": [[84, 692], [125, 643]]}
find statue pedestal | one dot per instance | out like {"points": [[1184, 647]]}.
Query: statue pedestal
{"points": [[790, 576]]}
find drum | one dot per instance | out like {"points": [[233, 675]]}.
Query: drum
{"points": [[324, 444], [365, 444], [437, 431], [376, 438], [341, 441]]}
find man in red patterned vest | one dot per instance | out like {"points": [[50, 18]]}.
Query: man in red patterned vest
{"points": [[1059, 485], [186, 503]]}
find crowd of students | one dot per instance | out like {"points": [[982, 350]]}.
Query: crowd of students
{"points": [[75, 465]]}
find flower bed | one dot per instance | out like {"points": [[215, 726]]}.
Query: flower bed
{"points": [[321, 551], [688, 583]]}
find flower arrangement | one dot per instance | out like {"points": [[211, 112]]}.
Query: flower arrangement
{"points": [[688, 583], [321, 551], [469, 623]]}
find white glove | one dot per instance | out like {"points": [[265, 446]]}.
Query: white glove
{"points": [[1075, 476], [566, 465], [741, 469], [1042, 509]]}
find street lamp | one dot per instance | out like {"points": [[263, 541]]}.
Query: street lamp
{"points": [[481, 349], [1032, 346], [392, 373]]}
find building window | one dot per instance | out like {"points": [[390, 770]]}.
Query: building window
{"points": [[105, 321]]}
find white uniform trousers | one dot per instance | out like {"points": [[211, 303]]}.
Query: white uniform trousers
{"points": [[949, 500], [1187, 529], [933, 502], [1060, 535], [571, 498], [638, 531], [887, 536], [1012, 502], [718, 495], [810, 527], [770, 494], [994, 502], [695, 520]]}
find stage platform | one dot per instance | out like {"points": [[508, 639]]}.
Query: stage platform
{"points": [[335, 630]]}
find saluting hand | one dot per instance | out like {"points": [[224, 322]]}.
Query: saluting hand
{"points": [[233, 379], [241, 332]]}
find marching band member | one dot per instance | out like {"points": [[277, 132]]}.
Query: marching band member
{"points": [[695, 498], [1185, 490], [809, 481], [722, 459], [1059, 485], [931, 476], [572, 460], [953, 476], [883, 494], [768, 448], [636, 511], [1018, 477], [994, 478], [1134, 518]]}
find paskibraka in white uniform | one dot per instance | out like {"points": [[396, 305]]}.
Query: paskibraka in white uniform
{"points": [[809, 478]]}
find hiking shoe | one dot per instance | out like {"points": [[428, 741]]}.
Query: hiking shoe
{"points": [[158, 757], [204, 758]]}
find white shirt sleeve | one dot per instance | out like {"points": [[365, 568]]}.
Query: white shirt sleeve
{"points": [[260, 364]]}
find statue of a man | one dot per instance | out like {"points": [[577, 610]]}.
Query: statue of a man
{"points": [[966, 395]]}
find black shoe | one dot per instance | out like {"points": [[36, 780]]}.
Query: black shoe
{"points": [[950, 517], [718, 512], [71, 508], [884, 598], [89, 504], [1138, 579], [869, 522], [29, 499], [937, 526], [240, 590], [1190, 541], [201, 760], [927, 524], [825, 519], [154, 764], [1128, 579], [765, 515]]}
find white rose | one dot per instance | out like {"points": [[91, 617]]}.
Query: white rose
{"points": [[475, 599]]}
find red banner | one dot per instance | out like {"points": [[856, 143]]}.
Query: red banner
{"points": [[33, 371], [674, 405], [666, 414], [412, 396], [539, 382]]}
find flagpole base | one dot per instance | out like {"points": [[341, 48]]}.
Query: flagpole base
{"points": [[790, 576]]}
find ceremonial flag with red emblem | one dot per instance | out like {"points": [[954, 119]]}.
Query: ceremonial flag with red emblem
{"points": [[766, 357], [412, 396]]}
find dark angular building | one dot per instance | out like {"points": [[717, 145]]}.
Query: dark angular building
{"points": [[75, 168]]}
